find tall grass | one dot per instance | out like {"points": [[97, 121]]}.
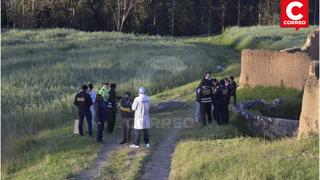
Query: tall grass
{"points": [[43, 69]]}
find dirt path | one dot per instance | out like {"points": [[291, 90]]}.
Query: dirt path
{"points": [[159, 163], [93, 171]]}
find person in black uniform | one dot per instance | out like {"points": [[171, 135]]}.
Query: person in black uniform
{"points": [[216, 95], [126, 117], [207, 80], [205, 103], [215, 100], [100, 109], [224, 103], [233, 92], [228, 85], [83, 101], [112, 107], [197, 104]]}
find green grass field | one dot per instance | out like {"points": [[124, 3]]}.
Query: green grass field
{"points": [[43, 69]]}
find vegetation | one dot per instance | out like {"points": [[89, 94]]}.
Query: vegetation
{"points": [[243, 157], [164, 17], [227, 152], [258, 37], [51, 154], [43, 69], [289, 109]]}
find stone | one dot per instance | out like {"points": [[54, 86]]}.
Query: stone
{"points": [[266, 126], [309, 117], [311, 47], [167, 106]]}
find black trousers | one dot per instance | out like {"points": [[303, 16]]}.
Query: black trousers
{"points": [[224, 113], [127, 125], [137, 134], [100, 127], [205, 109], [111, 120], [88, 116], [234, 99], [217, 111]]}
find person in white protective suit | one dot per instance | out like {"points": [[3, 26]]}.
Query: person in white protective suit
{"points": [[141, 106]]}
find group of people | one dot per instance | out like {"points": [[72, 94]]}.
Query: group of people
{"points": [[213, 98], [212, 101], [102, 107]]}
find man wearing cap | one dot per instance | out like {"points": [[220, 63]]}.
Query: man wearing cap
{"points": [[126, 117], [141, 106], [83, 101]]}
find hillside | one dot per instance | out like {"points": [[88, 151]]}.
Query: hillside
{"points": [[42, 70]]}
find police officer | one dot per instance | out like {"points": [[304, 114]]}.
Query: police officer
{"points": [[215, 102], [207, 80], [228, 85], [197, 104], [112, 107], [233, 88], [224, 102], [100, 109], [126, 117], [205, 103], [83, 101]]}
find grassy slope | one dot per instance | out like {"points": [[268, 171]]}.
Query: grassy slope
{"points": [[245, 158], [258, 37], [52, 154]]}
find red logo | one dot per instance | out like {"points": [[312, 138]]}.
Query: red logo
{"points": [[294, 14]]}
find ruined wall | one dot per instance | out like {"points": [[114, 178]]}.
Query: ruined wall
{"points": [[309, 117], [266, 126], [274, 68]]}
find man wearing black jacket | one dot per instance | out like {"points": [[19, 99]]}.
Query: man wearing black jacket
{"points": [[223, 94], [100, 109], [207, 80], [233, 88], [205, 93], [83, 101], [126, 117], [112, 107]]}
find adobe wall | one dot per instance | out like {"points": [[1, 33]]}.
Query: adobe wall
{"points": [[274, 68], [309, 117]]}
